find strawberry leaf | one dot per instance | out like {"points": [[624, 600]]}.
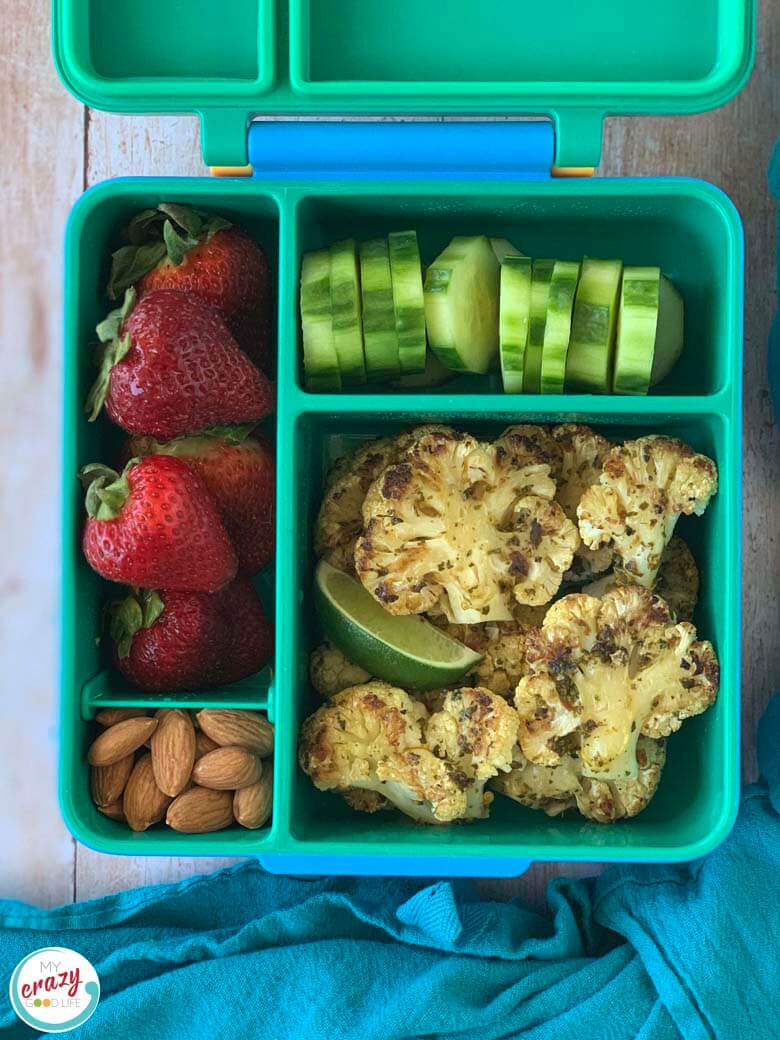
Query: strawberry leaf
{"points": [[177, 245], [130, 263], [107, 491], [214, 224], [115, 347], [145, 227], [186, 220]]}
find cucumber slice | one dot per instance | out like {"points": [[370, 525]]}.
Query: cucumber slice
{"points": [[592, 345], [379, 335], [461, 305], [320, 362], [650, 330], [434, 374], [540, 290], [346, 314], [503, 248], [514, 314], [406, 271], [557, 329]]}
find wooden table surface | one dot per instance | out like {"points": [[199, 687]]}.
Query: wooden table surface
{"points": [[52, 149]]}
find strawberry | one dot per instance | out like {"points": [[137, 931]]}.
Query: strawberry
{"points": [[239, 472], [155, 526], [177, 247], [170, 366], [166, 641]]}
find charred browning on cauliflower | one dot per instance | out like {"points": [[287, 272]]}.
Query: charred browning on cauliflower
{"points": [[369, 743], [604, 671], [582, 454], [475, 728], [464, 528], [340, 519], [364, 801], [502, 646], [677, 582], [331, 672], [645, 486], [555, 789]]}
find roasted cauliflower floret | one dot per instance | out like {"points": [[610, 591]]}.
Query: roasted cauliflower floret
{"points": [[340, 518], [465, 528], [364, 801], [475, 728], [677, 582], [582, 453], [645, 486], [554, 789], [604, 671], [331, 672], [502, 646], [370, 738]]}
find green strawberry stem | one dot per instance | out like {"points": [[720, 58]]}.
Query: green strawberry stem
{"points": [[156, 235], [114, 348], [107, 490], [128, 616]]}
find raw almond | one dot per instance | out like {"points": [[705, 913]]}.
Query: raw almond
{"points": [[203, 745], [108, 782], [120, 740], [199, 810], [227, 769], [173, 750], [143, 801], [246, 729], [252, 805], [114, 811], [110, 716]]}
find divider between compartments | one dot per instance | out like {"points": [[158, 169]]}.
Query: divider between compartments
{"points": [[253, 693]]}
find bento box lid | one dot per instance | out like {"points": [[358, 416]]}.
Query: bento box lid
{"points": [[573, 61]]}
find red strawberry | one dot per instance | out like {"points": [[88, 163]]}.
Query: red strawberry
{"points": [[239, 472], [166, 641], [170, 366], [176, 247], [155, 526]]}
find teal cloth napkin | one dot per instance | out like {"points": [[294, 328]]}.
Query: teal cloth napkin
{"points": [[642, 952]]}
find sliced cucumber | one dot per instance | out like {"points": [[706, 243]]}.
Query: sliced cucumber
{"points": [[461, 305], [540, 290], [379, 335], [346, 314], [514, 314], [320, 361], [406, 270], [434, 374], [670, 334], [592, 345], [650, 330], [503, 248], [557, 329]]}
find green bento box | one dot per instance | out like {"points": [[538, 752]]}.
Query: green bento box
{"points": [[320, 56]]}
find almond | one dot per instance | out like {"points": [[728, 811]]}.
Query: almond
{"points": [[120, 740], [227, 769], [203, 745], [246, 729], [173, 750], [252, 805], [199, 810], [108, 782], [110, 716], [115, 811], [143, 801]]}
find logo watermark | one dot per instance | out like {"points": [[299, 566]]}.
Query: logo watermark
{"points": [[54, 989]]}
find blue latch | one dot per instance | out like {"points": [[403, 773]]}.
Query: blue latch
{"points": [[324, 150], [393, 866]]}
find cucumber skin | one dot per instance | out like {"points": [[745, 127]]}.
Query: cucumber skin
{"points": [[540, 281], [635, 348], [593, 323], [379, 335], [513, 334], [345, 305], [560, 305], [409, 318], [316, 324]]}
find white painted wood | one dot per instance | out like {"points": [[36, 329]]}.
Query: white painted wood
{"points": [[37, 122]]}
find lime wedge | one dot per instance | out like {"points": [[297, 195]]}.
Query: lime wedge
{"points": [[406, 650]]}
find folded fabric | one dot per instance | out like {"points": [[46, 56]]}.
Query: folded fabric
{"points": [[641, 953]]}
